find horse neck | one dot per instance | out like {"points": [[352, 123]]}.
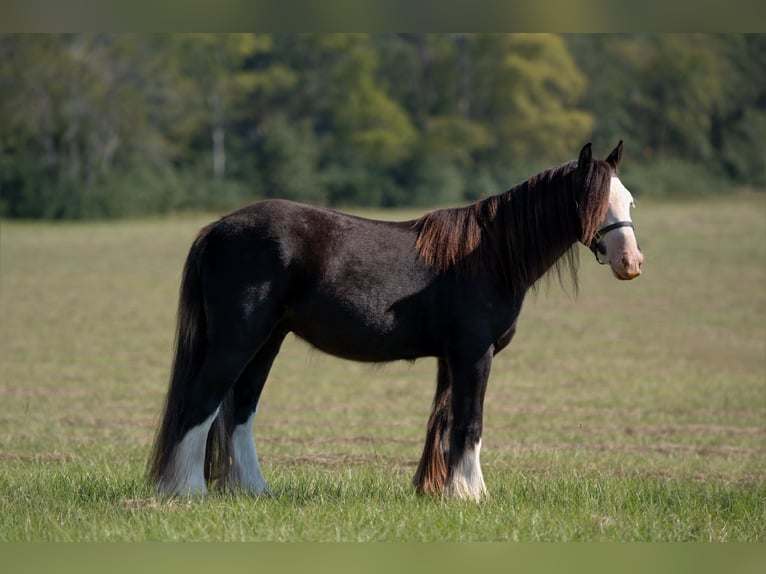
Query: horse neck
{"points": [[535, 225]]}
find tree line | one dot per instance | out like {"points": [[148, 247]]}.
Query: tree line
{"points": [[112, 125]]}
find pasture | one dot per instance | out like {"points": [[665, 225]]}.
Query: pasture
{"points": [[634, 411]]}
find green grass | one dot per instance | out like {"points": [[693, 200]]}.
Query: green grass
{"points": [[632, 412], [81, 502]]}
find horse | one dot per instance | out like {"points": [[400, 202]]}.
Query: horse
{"points": [[448, 285]]}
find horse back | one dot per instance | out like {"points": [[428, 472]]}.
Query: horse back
{"points": [[353, 287]]}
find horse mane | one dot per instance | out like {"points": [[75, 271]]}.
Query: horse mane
{"points": [[520, 234]]}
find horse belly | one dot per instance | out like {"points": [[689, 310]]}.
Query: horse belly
{"points": [[362, 329]]}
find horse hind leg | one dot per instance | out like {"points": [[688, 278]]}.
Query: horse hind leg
{"points": [[431, 474], [184, 473], [244, 471]]}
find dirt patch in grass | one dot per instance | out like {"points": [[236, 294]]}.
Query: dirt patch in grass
{"points": [[610, 413], [33, 391]]}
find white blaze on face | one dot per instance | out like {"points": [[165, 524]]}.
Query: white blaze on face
{"points": [[622, 252]]}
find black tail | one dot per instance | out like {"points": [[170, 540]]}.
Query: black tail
{"points": [[190, 348], [217, 451]]}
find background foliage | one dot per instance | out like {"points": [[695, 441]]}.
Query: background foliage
{"points": [[116, 125]]}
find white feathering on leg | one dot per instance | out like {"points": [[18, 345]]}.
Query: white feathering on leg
{"points": [[245, 472], [467, 481], [185, 475]]}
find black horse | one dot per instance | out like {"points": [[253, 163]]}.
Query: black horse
{"points": [[449, 285]]}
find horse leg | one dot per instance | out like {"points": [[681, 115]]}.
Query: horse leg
{"points": [[431, 474], [244, 471], [469, 383], [184, 473]]}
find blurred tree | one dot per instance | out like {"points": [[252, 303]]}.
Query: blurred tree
{"points": [[367, 121], [697, 99], [78, 109], [680, 85], [287, 158], [224, 83], [738, 118], [117, 124], [456, 138], [608, 61], [363, 134], [528, 88]]}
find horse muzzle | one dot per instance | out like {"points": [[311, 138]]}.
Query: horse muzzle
{"points": [[627, 266]]}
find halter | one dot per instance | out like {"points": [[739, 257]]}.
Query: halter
{"points": [[596, 245]]}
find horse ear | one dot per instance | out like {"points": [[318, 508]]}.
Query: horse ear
{"points": [[586, 155], [614, 157]]}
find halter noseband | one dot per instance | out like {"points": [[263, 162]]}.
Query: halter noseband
{"points": [[596, 245]]}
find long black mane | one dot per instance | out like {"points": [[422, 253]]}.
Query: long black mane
{"points": [[520, 234]]}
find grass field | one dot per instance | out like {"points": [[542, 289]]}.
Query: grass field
{"points": [[635, 411]]}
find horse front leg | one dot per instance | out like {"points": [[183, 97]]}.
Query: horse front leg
{"points": [[469, 384]]}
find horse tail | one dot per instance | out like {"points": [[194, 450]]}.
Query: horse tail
{"points": [[190, 347], [217, 451]]}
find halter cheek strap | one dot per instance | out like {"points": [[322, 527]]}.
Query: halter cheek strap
{"points": [[598, 237]]}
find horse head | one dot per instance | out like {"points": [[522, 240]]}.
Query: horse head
{"points": [[615, 241]]}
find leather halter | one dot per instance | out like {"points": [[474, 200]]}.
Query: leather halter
{"points": [[596, 245]]}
